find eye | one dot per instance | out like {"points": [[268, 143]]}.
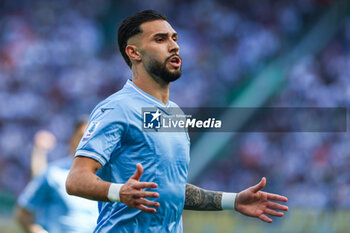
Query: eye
{"points": [[159, 39], [175, 39]]}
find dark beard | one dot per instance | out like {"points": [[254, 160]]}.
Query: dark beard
{"points": [[159, 71]]}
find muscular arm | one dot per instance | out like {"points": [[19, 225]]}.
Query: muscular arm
{"points": [[200, 199], [82, 180]]}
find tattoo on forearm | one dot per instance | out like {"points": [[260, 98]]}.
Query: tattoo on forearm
{"points": [[200, 199]]}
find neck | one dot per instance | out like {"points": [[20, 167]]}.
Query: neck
{"points": [[156, 88]]}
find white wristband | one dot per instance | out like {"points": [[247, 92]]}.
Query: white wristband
{"points": [[228, 201], [113, 192]]}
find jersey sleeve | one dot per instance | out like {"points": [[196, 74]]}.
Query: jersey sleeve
{"points": [[35, 193], [103, 135]]}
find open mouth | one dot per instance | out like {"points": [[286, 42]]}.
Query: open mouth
{"points": [[175, 61]]}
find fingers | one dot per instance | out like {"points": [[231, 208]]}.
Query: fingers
{"points": [[273, 212], [264, 218], [145, 185], [146, 194], [277, 206], [276, 197], [133, 195], [138, 173], [256, 188], [146, 202], [142, 204], [146, 209]]}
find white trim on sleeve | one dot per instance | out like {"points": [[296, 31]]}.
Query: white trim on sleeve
{"points": [[92, 155]]}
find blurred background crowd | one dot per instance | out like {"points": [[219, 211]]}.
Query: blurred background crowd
{"points": [[58, 59]]}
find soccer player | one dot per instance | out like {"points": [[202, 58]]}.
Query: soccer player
{"points": [[45, 206], [152, 198]]}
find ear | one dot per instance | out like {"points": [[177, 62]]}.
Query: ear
{"points": [[133, 53]]}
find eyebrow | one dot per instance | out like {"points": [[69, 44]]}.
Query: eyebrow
{"points": [[164, 34]]}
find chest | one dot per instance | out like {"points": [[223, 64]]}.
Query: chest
{"points": [[167, 145]]}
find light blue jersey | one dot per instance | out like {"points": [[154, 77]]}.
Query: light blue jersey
{"points": [[54, 209], [114, 138]]}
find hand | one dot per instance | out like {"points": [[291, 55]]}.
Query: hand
{"points": [[255, 203], [132, 195]]}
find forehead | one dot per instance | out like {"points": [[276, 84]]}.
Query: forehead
{"points": [[155, 27]]}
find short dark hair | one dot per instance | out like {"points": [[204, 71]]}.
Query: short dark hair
{"points": [[131, 26]]}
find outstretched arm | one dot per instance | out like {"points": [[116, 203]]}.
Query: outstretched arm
{"points": [[201, 199], [250, 202]]}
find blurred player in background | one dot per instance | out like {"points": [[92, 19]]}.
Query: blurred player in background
{"points": [[44, 205], [114, 143]]}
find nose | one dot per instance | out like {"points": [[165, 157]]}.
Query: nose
{"points": [[174, 47]]}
